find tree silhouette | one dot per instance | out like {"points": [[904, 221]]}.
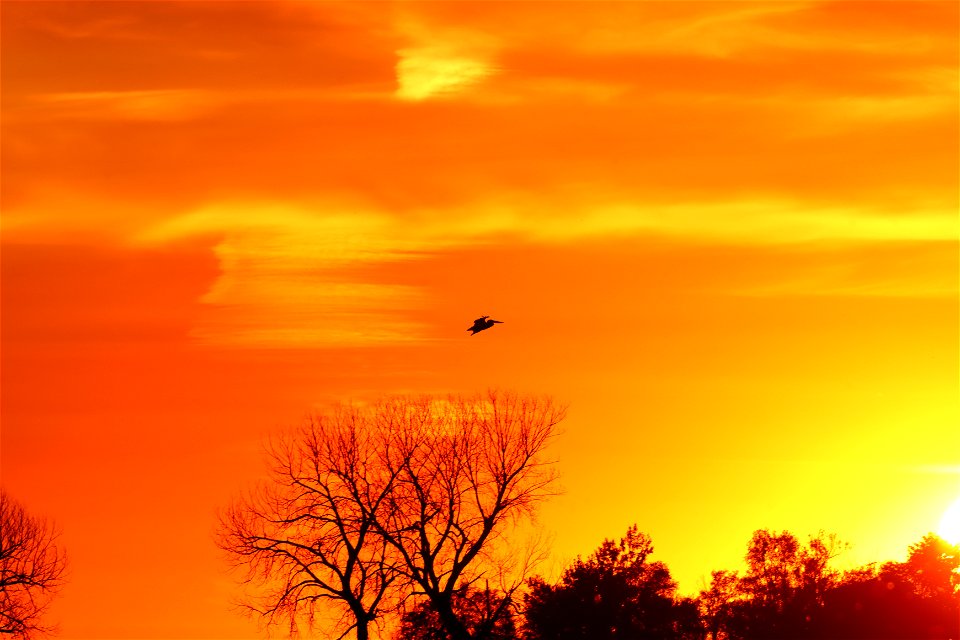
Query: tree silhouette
{"points": [[615, 594], [308, 536], [473, 606], [410, 497], [466, 469], [779, 595], [32, 568], [932, 567], [721, 603], [919, 598]]}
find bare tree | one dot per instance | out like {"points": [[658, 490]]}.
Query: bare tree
{"points": [[371, 505], [465, 471], [308, 537], [32, 568]]}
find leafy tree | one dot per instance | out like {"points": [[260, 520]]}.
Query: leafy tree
{"points": [[780, 593], [32, 568], [789, 591], [919, 598], [615, 594], [721, 603], [932, 567], [475, 607]]}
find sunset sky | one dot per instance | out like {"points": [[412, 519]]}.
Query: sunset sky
{"points": [[724, 233]]}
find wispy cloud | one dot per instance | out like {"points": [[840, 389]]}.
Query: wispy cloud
{"points": [[938, 280], [285, 276], [768, 222], [295, 276], [440, 62], [158, 104], [737, 124], [427, 72]]}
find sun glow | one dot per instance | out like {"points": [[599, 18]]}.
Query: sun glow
{"points": [[950, 523], [707, 226]]}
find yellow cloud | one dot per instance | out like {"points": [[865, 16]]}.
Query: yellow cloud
{"points": [[566, 217], [766, 222], [440, 61], [331, 234], [282, 281], [288, 276], [435, 71]]}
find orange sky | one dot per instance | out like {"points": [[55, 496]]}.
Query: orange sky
{"points": [[725, 233]]}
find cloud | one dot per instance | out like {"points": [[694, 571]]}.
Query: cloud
{"points": [[845, 281], [435, 71], [762, 222], [285, 276], [759, 124], [157, 104], [331, 233], [440, 61], [293, 276], [338, 234], [724, 31]]}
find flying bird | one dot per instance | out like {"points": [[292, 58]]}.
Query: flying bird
{"points": [[481, 323]]}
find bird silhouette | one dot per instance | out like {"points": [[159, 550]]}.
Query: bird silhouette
{"points": [[481, 323]]}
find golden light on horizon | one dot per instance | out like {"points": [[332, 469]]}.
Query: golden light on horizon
{"points": [[949, 528], [723, 233]]}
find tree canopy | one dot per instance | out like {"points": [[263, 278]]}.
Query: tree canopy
{"points": [[475, 607], [789, 590], [615, 594], [403, 514]]}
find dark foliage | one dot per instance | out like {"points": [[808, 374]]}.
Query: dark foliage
{"points": [[480, 611], [615, 594], [916, 599], [789, 591], [780, 593]]}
